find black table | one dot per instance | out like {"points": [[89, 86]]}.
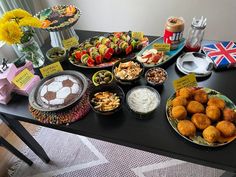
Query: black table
{"points": [[153, 135]]}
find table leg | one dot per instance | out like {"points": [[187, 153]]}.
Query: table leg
{"points": [[14, 151], [25, 136], [228, 174]]}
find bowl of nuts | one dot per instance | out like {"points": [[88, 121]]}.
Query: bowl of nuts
{"points": [[106, 99], [156, 76], [102, 77]]}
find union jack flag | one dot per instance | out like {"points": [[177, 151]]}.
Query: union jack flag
{"points": [[223, 54]]}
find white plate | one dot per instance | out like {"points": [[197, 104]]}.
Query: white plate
{"points": [[194, 62]]}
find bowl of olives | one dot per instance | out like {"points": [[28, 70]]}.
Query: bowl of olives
{"points": [[102, 77], [56, 54]]}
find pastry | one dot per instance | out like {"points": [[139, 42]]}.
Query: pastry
{"points": [[179, 112], [60, 90], [179, 101], [214, 101], [201, 96], [213, 112], [211, 134], [195, 107], [226, 128], [229, 114], [185, 92], [186, 128], [201, 121]]}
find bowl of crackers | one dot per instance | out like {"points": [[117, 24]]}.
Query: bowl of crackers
{"points": [[128, 71]]}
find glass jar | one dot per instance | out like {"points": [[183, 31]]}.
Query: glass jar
{"points": [[32, 52], [173, 32], [194, 39]]}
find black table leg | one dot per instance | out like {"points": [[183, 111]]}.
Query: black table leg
{"points": [[14, 151], [25, 136]]}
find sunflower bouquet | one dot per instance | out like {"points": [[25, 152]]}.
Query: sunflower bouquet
{"points": [[16, 28]]}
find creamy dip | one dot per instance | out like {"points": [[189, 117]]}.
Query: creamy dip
{"points": [[143, 100]]}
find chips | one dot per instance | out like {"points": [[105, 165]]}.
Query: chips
{"points": [[105, 101]]}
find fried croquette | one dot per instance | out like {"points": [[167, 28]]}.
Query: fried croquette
{"points": [[179, 112], [201, 121], [226, 128], [179, 101], [211, 134], [186, 128], [229, 114], [201, 96], [213, 112], [195, 107], [185, 92], [214, 101]]}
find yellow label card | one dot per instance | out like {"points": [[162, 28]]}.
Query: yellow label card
{"points": [[71, 42], [186, 81], [162, 47], [23, 78], [51, 69], [137, 35]]}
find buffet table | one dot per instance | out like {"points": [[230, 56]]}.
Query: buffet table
{"points": [[154, 134]]}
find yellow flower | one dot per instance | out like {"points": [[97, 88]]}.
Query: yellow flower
{"points": [[2, 21], [16, 15], [30, 21], [10, 33]]}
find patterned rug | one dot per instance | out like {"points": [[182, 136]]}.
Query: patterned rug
{"points": [[74, 156]]}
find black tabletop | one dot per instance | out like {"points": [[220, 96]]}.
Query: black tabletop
{"points": [[154, 134]]}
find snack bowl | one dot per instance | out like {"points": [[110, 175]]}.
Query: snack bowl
{"points": [[56, 54], [143, 100], [102, 77], [122, 71], [156, 76], [99, 95]]}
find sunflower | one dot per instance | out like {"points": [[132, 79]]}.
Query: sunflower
{"points": [[10, 33], [15, 15], [30, 21]]}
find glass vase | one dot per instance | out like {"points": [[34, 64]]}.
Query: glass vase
{"points": [[32, 52]]}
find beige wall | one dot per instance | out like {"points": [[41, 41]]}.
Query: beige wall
{"points": [[150, 15]]}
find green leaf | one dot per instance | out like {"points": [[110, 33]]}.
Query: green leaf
{"points": [[45, 14]]}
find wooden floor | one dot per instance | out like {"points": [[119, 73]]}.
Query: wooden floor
{"points": [[5, 156]]}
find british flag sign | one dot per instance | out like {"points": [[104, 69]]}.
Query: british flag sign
{"points": [[223, 54]]}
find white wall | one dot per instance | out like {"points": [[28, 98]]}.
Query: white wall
{"points": [[7, 52], [150, 15]]}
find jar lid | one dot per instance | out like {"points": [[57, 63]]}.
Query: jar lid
{"points": [[199, 23]]}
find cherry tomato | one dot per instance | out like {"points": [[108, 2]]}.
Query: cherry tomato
{"points": [[78, 55], [128, 50], [84, 52], [117, 34], [98, 59], [109, 52], [90, 62]]}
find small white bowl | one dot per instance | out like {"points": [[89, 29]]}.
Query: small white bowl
{"points": [[142, 114]]}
